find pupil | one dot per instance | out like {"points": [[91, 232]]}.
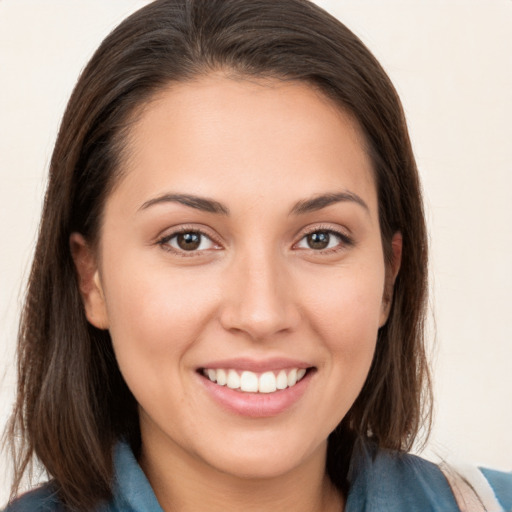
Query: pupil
{"points": [[189, 241], [318, 240]]}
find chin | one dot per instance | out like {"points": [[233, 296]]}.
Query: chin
{"points": [[260, 460], [257, 467]]}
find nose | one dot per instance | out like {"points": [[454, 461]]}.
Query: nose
{"points": [[258, 297]]}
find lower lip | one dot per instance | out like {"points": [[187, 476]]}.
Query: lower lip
{"points": [[257, 405]]}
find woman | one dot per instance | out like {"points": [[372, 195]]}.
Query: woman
{"points": [[228, 291]]}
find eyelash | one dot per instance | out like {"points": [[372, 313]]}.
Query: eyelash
{"points": [[344, 241]]}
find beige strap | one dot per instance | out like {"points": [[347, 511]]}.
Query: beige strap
{"points": [[471, 489]]}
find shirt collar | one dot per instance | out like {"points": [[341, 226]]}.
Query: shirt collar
{"points": [[383, 480], [380, 481], [132, 491]]}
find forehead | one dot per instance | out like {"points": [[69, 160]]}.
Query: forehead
{"points": [[221, 135]]}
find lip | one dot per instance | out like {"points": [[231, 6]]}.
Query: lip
{"points": [[257, 366], [256, 405]]}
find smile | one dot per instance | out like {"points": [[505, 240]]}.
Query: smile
{"points": [[252, 382]]}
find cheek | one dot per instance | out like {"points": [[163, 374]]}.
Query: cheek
{"points": [[347, 304], [346, 317], [351, 338], [155, 316]]}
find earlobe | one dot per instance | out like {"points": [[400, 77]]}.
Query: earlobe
{"points": [[391, 274], [89, 281]]}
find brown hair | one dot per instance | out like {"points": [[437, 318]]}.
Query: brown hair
{"points": [[72, 402]]}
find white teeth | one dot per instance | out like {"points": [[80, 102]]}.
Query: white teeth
{"points": [[267, 383], [233, 381], [282, 380], [221, 377], [250, 382], [292, 378]]}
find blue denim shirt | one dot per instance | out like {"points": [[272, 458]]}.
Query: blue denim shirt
{"points": [[379, 482]]}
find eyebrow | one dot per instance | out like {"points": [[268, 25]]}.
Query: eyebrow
{"points": [[211, 206], [199, 203], [324, 200]]}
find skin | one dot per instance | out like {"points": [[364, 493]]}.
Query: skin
{"points": [[255, 288]]}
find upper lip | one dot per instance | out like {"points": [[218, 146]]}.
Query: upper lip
{"points": [[257, 365]]}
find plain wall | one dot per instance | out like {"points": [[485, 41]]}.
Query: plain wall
{"points": [[451, 63]]}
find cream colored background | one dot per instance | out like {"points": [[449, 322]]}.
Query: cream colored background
{"points": [[451, 63]]}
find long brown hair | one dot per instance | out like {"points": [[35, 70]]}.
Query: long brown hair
{"points": [[72, 403]]}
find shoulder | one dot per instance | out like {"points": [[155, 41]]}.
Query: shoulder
{"points": [[473, 489], [45, 499], [130, 488], [42, 499], [385, 480], [501, 484], [480, 488]]}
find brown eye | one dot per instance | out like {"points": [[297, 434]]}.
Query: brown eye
{"points": [[323, 239], [188, 241], [318, 240]]}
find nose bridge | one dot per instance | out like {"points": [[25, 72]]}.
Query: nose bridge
{"points": [[260, 301]]}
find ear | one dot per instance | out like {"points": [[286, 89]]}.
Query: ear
{"points": [[392, 270], [89, 281]]}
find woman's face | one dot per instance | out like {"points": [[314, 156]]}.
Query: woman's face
{"points": [[240, 272]]}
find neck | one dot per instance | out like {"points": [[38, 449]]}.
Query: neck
{"points": [[183, 483]]}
